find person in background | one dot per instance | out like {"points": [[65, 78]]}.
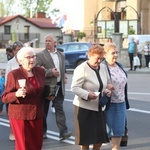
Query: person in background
{"points": [[9, 53], [59, 43], [136, 62], [11, 65], [139, 52], [53, 61], [146, 51], [89, 78], [116, 114], [26, 107], [132, 50], [10, 43], [2, 86]]}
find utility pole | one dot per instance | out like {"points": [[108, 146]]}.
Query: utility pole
{"points": [[31, 9]]}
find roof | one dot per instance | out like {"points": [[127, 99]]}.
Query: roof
{"points": [[39, 22]]}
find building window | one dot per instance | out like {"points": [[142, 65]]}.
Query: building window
{"points": [[7, 29], [26, 32]]}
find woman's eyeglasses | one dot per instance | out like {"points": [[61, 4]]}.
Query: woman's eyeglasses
{"points": [[29, 57], [116, 52]]}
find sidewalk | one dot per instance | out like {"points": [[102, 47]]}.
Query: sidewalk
{"points": [[138, 71], [2, 65]]}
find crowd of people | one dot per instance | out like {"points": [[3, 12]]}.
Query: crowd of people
{"points": [[34, 80], [135, 48], [96, 123], [28, 86]]}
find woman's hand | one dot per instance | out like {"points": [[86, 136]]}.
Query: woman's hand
{"points": [[110, 87], [21, 92], [108, 92], [92, 96], [51, 98]]}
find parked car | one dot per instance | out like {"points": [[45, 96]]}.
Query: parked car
{"points": [[75, 53]]}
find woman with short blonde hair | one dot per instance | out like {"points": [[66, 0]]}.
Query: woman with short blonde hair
{"points": [[116, 114]]}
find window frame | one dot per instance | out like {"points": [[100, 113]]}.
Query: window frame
{"points": [[7, 29]]}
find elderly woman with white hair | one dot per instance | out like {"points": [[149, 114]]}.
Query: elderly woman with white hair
{"points": [[23, 92], [146, 50]]}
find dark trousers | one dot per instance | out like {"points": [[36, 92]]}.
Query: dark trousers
{"points": [[59, 113], [131, 60], [140, 58], [1, 104], [147, 59]]}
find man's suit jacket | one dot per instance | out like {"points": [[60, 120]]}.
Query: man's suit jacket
{"points": [[44, 59], [31, 106]]}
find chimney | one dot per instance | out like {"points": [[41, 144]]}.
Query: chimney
{"points": [[40, 15]]}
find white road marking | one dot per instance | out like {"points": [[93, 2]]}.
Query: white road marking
{"points": [[139, 110], [55, 135], [134, 93]]}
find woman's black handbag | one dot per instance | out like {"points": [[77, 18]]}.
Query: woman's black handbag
{"points": [[104, 100]]}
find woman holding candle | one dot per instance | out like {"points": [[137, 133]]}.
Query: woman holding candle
{"points": [[25, 103]]}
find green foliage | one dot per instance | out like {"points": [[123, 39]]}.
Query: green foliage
{"points": [[81, 35], [2, 10], [54, 12], [9, 7], [38, 6], [131, 31], [14, 36], [6, 7]]}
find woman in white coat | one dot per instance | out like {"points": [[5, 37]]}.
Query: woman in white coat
{"points": [[89, 78]]}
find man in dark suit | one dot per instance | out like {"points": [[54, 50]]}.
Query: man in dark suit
{"points": [[54, 63]]}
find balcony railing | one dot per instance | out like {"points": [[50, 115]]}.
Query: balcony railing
{"points": [[24, 37]]}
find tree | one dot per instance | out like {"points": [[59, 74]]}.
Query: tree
{"points": [[2, 10], [24, 7], [81, 35], [54, 12], [37, 6], [131, 30], [6, 7], [14, 36]]}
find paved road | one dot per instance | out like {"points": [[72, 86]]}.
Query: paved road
{"points": [[138, 119]]}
